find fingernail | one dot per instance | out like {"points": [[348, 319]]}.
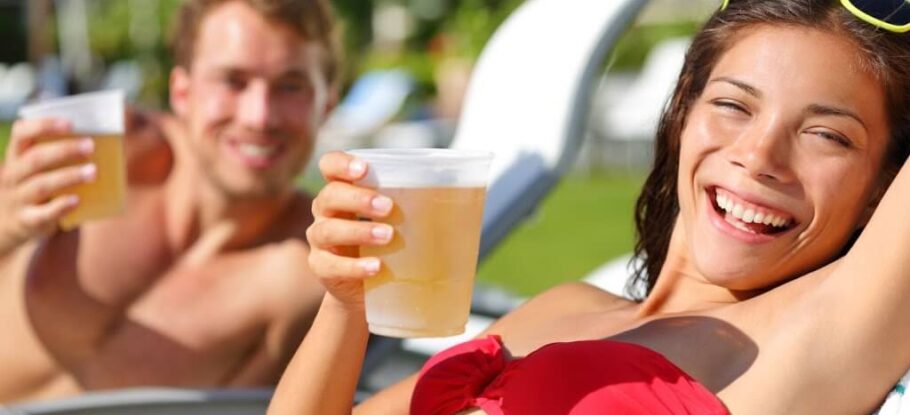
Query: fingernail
{"points": [[381, 204], [86, 146], [356, 168], [381, 233], [72, 200], [370, 265], [62, 124], [88, 171]]}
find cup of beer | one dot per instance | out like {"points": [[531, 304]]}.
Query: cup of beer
{"points": [[424, 286], [98, 115]]}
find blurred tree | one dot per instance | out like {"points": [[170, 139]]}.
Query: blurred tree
{"points": [[357, 27], [12, 30], [442, 29]]}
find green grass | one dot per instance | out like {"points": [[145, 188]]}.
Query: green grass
{"points": [[585, 222], [4, 137]]}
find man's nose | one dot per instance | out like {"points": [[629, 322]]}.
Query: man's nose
{"points": [[255, 110], [763, 152]]}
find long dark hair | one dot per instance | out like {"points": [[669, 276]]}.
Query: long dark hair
{"points": [[886, 55]]}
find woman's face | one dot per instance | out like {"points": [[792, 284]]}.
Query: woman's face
{"points": [[780, 156]]}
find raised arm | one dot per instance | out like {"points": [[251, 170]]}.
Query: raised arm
{"points": [[855, 320], [79, 283], [322, 376]]}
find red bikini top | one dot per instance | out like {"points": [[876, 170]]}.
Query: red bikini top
{"points": [[576, 378]]}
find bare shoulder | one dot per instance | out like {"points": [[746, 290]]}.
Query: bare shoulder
{"points": [[296, 296], [566, 312], [572, 298], [295, 289]]}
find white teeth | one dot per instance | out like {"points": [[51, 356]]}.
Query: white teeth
{"points": [[738, 225], [254, 150], [721, 201], [749, 215]]}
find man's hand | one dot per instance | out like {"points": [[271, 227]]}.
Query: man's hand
{"points": [[38, 170]]}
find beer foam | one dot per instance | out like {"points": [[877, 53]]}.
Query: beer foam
{"points": [[95, 113], [424, 167]]}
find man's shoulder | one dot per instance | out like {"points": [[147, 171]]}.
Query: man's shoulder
{"points": [[299, 216]]}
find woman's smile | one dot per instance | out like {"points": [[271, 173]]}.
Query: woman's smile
{"points": [[747, 220]]}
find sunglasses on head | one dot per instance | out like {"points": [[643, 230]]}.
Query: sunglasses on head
{"points": [[891, 15]]}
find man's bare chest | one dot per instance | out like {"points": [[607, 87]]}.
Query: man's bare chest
{"points": [[223, 301]]}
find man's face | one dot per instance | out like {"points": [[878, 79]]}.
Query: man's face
{"points": [[252, 102]]}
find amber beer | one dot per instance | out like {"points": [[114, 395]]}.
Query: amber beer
{"points": [[98, 115], [424, 286], [106, 195]]}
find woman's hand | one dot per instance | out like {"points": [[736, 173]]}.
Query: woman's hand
{"points": [[337, 234], [37, 170]]}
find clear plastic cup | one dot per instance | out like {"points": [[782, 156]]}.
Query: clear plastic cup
{"points": [[424, 286], [98, 115]]}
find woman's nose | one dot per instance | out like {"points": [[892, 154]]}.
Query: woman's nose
{"points": [[762, 152]]}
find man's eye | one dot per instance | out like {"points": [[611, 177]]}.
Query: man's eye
{"points": [[234, 82], [291, 87]]}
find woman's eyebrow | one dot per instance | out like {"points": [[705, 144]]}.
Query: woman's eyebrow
{"points": [[819, 109], [749, 89], [816, 109]]}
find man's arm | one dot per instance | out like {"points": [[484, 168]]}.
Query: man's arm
{"points": [[79, 283], [78, 287]]}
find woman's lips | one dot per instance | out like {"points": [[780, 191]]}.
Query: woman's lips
{"points": [[751, 222], [748, 212]]}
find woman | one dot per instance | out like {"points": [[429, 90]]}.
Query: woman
{"points": [[790, 120]]}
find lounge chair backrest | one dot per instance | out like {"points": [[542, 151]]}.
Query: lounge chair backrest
{"points": [[529, 98]]}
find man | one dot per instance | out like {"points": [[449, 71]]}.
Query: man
{"points": [[203, 281]]}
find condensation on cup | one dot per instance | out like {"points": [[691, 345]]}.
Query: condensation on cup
{"points": [[424, 286]]}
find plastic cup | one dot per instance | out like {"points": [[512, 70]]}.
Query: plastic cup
{"points": [[424, 286], [98, 115]]}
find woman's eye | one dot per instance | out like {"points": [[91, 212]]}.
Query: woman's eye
{"points": [[730, 106], [834, 138]]}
